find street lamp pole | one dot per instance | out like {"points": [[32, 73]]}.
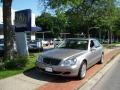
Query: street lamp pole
{"points": [[89, 33], [93, 28]]}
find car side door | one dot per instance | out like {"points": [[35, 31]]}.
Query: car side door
{"points": [[98, 50], [91, 54]]}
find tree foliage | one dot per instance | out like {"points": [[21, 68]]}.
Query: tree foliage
{"points": [[81, 15], [52, 23]]}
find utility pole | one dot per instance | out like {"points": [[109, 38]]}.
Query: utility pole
{"points": [[94, 28]]}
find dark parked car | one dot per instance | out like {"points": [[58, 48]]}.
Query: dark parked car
{"points": [[1, 47], [35, 45]]}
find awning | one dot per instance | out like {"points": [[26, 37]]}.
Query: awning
{"points": [[33, 29]]}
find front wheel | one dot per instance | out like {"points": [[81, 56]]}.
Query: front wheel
{"points": [[82, 71]]}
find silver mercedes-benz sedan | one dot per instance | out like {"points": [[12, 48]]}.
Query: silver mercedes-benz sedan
{"points": [[71, 58]]}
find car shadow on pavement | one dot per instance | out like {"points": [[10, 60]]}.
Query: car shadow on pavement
{"points": [[35, 74]]}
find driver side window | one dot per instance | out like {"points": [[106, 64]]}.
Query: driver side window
{"points": [[92, 44]]}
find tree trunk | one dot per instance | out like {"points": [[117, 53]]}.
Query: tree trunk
{"points": [[108, 36], [111, 37], [7, 30]]}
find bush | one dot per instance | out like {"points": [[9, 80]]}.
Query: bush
{"points": [[2, 65], [11, 64], [17, 62]]}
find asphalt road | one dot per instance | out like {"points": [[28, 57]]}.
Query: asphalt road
{"points": [[111, 80]]}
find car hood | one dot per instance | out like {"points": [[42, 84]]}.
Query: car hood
{"points": [[62, 53]]}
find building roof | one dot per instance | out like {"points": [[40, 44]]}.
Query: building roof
{"points": [[34, 29]]}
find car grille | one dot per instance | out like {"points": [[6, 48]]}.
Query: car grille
{"points": [[51, 61]]}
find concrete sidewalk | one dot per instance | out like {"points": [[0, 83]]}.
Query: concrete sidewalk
{"points": [[25, 82], [20, 82]]}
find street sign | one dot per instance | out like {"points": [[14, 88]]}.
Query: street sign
{"points": [[23, 20], [22, 24]]}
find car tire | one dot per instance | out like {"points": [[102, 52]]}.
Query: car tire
{"points": [[101, 59], [82, 71]]}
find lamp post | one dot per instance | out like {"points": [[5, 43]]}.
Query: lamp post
{"points": [[44, 33], [94, 28]]}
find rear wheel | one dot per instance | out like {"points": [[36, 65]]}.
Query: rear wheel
{"points": [[82, 71]]}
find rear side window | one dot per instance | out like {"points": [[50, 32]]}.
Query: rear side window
{"points": [[96, 43]]}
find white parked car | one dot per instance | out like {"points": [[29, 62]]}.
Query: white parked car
{"points": [[45, 43], [57, 42]]}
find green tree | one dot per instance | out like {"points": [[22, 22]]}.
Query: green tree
{"points": [[116, 23], [44, 21], [55, 24], [86, 14]]}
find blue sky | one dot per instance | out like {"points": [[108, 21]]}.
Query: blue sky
{"points": [[27, 4], [31, 4], [34, 6]]}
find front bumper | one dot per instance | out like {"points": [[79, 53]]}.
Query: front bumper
{"points": [[70, 71]]}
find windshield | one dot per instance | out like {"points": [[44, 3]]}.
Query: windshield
{"points": [[75, 44]]}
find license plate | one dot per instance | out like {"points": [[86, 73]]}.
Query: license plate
{"points": [[48, 69]]}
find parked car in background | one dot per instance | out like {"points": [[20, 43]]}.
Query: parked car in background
{"points": [[51, 42], [57, 41], [45, 43], [35, 45], [71, 58]]}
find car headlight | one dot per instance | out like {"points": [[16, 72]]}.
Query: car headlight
{"points": [[69, 62], [39, 59]]}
